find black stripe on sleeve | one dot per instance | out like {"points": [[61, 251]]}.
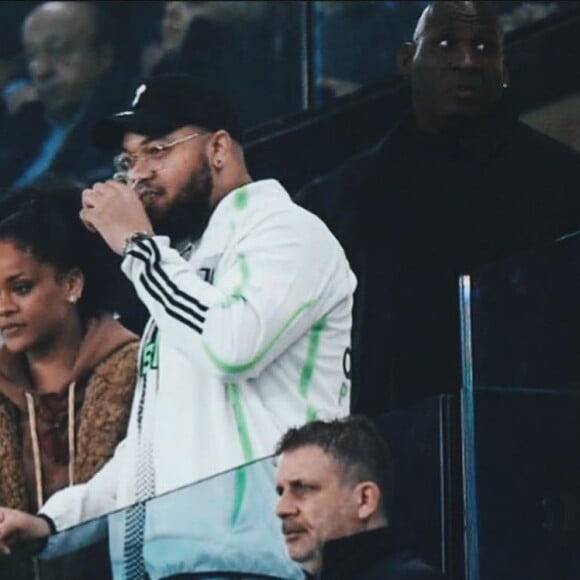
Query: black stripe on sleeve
{"points": [[157, 276], [169, 282], [167, 297], [168, 308], [138, 255]]}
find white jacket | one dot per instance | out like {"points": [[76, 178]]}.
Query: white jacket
{"points": [[236, 360]]}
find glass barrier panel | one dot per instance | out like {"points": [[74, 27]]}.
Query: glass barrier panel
{"points": [[226, 525], [521, 415], [525, 320], [419, 441], [220, 527], [526, 486]]}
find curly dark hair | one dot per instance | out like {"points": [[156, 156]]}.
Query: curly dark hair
{"points": [[45, 222], [356, 446]]}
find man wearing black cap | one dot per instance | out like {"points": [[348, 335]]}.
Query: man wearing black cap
{"points": [[250, 299]]}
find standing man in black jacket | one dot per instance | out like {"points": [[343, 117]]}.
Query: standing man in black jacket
{"points": [[458, 183]]}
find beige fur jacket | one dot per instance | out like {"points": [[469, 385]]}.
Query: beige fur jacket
{"points": [[102, 423]]}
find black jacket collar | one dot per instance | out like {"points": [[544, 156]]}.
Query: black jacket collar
{"points": [[344, 557]]}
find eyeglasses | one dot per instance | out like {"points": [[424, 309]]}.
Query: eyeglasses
{"points": [[125, 162]]}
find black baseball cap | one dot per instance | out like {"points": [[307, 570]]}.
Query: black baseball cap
{"points": [[164, 103]]}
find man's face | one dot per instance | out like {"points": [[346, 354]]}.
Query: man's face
{"points": [[64, 61], [174, 186], [317, 503], [457, 69]]}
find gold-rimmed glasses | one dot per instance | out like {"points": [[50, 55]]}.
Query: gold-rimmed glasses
{"points": [[125, 162]]}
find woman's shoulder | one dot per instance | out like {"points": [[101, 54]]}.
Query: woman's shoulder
{"points": [[110, 387], [120, 362], [7, 409]]}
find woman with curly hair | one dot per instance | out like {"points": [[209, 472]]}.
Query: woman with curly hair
{"points": [[67, 367]]}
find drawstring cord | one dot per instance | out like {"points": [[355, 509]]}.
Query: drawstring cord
{"points": [[71, 433], [35, 449], [36, 445]]}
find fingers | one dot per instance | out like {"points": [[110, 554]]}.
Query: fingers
{"points": [[86, 221], [101, 191], [4, 548], [109, 187], [92, 195], [97, 196], [16, 526]]}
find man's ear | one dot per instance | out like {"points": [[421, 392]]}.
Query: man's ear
{"points": [[368, 499], [220, 146], [405, 58]]}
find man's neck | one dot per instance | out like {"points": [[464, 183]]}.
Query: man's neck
{"points": [[223, 189]]}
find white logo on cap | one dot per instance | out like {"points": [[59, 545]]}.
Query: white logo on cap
{"points": [[140, 90]]}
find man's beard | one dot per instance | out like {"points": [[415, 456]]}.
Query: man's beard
{"points": [[188, 216]]}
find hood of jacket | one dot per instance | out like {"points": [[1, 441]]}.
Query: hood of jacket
{"points": [[104, 335]]}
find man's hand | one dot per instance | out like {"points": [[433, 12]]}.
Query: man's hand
{"points": [[115, 211], [17, 526]]}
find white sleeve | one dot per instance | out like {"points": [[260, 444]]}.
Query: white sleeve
{"points": [[273, 289], [98, 496]]}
